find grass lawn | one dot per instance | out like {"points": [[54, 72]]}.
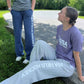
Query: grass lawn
{"points": [[82, 17], [8, 65]]}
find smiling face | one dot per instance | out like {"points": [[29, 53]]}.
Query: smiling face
{"points": [[62, 16]]}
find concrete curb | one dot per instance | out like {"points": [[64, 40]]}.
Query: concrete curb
{"points": [[73, 79]]}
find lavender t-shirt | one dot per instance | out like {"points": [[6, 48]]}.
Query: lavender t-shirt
{"points": [[67, 42]]}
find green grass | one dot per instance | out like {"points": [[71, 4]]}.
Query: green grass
{"points": [[82, 17], [8, 65]]}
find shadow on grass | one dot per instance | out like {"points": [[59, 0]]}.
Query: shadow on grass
{"points": [[8, 66]]}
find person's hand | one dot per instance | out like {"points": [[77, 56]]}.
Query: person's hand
{"points": [[32, 9], [81, 78]]}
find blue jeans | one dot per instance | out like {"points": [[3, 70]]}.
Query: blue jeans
{"points": [[25, 17]]}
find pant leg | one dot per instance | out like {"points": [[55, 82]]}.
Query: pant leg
{"points": [[29, 32], [17, 23], [40, 70], [42, 50]]}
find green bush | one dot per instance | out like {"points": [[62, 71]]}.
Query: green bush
{"points": [[78, 4], [3, 4], [81, 13], [42, 4], [51, 4]]}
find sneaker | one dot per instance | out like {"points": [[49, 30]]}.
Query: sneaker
{"points": [[26, 61], [18, 58]]}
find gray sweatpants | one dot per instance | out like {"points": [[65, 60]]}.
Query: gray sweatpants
{"points": [[41, 69]]}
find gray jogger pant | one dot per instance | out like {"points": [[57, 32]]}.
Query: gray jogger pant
{"points": [[41, 69]]}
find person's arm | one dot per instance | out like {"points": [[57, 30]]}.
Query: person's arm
{"points": [[9, 4], [78, 65], [33, 4]]}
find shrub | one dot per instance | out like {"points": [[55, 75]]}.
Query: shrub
{"points": [[81, 13], [3, 4]]}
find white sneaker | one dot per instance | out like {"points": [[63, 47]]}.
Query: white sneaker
{"points": [[18, 58], [25, 61]]}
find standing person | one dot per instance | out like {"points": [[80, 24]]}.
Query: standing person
{"points": [[58, 63], [22, 12]]}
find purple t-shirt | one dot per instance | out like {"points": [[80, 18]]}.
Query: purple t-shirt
{"points": [[67, 42]]}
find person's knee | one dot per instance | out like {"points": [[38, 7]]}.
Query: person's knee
{"points": [[39, 42]]}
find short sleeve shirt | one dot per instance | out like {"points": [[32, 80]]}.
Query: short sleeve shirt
{"points": [[67, 42], [21, 5]]}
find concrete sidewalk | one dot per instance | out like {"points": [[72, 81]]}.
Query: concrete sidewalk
{"points": [[47, 17], [45, 23]]}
